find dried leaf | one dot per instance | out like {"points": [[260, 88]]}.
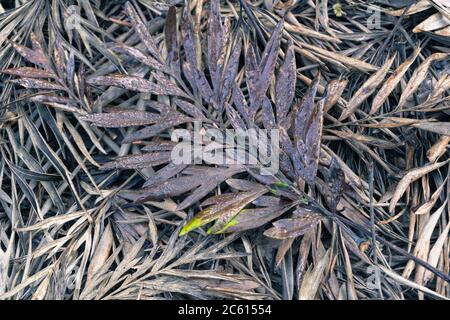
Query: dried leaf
{"points": [[409, 178], [367, 89]]}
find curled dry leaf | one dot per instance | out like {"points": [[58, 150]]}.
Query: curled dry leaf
{"points": [[334, 92], [438, 149], [411, 176], [367, 89], [418, 76], [390, 84]]}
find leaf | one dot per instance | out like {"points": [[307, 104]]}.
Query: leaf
{"points": [[435, 252], [422, 244], [433, 22], [35, 55], [294, 227], [138, 55], [164, 174], [165, 123], [141, 29], [419, 76], [215, 43], [438, 149], [213, 179], [139, 161], [223, 211], [134, 83], [304, 111], [171, 38], [101, 253], [411, 176], [313, 278], [28, 72], [335, 180], [33, 175], [187, 32], [308, 123], [436, 127], [53, 221], [285, 87], [269, 59], [249, 219], [367, 89], [30, 83], [427, 206], [189, 108], [335, 88], [390, 84], [121, 119], [39, 141], [229, 74]]}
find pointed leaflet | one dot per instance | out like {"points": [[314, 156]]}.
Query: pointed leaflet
{"points": [[171, 188], [252, 78], [159, 145], [334, 92], [26, 189], [308, 119], [137, 54], [418, 76], [215, 42], [171, 38], [228, 214], [28, 72], [304, 111], [138, 161], [258, 76], [235, 119], [35, 55], [166, 122], [267, 114], [285, 87], [409, 178], [134, 83], [187, 32], [302, 222], [229, 74], [30, 83], [367, 89], [191, 65], [33, 175], [243, 185], [170, 88], [141, 29], [218, 199], [121, 119], [310, 149], [249, 219], [390, 84], [164, 174], [189, 108], [270, 53], [203, 179], [241, 105], [224, 210], [212, 180], [335, 180]]}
